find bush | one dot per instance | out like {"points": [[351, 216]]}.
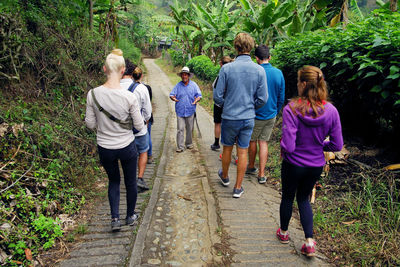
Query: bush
{"points": [[177, 57], [130, 51], [203, 67], [360, 64]]}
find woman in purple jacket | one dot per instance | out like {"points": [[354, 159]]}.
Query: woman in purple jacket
{"points": [[307, 120]]}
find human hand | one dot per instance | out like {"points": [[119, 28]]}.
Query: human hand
{"points": [[173, 98]]}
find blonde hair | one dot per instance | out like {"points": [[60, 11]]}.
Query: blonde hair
{"points": [[315, 92], [243, 43], [137, 73], [114, 61]]}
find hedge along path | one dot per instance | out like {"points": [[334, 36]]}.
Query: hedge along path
{"points": [[101, 247]]}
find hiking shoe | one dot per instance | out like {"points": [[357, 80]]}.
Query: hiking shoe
{"points": [[115, 225], [284, 238], [237, 192], [224, 181], [142, 184], [308, 250], [251, 171], [179, 150], [215, 147], [131, 219], [189, 146], [150, 160], [262, 180]]}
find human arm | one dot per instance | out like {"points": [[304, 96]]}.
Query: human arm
{"points": [[219, 90], [134, 111], [173, 93], [90, 117], [146, 105], [335, 142], [261, 95], [197, 95], [281, 94], [289, 130]]}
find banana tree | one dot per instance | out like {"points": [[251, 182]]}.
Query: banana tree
{"points": [[267, 22], [216, 21]]}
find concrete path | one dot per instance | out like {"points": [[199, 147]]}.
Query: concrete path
{"points": [[188, 218]]}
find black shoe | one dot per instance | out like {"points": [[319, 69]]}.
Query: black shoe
{"points": [[142, 184], [132, 219], [150, 160], [115, 225], [215, 147]]}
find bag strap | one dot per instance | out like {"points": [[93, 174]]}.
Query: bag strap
{"points": [[133, 86], [124, 124]]}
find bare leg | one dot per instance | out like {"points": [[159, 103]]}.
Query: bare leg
{"points": [[252, 154], [217, 130], [142, 164], [226, 160], [263, 154], [241, 166]]}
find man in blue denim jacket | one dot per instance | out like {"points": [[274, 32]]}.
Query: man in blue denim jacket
{"points": [[185, 94], [241, 89]]}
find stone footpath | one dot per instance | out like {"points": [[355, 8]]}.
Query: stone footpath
{"points": [[100, 246]]}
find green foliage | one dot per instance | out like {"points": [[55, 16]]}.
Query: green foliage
{"points": [[48, 230], [178, 58], [203, 67], [130, 51], [360, 64]]}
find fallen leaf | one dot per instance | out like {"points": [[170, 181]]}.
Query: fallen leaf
{"points": [[185, 198], [28, 254], [350, 222]]}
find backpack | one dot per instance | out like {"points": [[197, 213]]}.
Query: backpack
{"points": [[131, 89]]}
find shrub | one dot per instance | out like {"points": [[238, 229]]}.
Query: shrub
{"points": [[130, 51], [361, 65], [178, 58], [203, 67]]}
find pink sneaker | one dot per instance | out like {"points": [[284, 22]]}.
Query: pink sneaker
{"points": [[308, 250], [284, 238]]}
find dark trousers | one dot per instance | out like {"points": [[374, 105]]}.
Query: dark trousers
{"points": [[109, 159], [150, 151], [298, 181]]}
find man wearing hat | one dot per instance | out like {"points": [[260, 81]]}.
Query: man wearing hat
{"points": [[185, 94]]}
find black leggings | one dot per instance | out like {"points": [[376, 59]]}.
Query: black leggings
{"points": [[298, 181]]}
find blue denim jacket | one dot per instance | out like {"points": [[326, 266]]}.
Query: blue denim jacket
{"points": [[186, 95], [241, 88]]}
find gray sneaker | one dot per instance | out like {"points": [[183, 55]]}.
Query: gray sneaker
{"points": [[251, 171], [262, 180], [189, 146], [115, 225], [142, 184], [224, 181], [237, 192], [131, 219]]}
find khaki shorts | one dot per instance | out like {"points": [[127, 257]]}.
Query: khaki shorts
{"points": [[263, 129]]}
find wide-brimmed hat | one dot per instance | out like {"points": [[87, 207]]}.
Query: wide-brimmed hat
{"points": [[185, 70]]}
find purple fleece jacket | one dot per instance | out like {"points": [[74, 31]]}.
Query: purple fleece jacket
{"points": [[303, 137]]}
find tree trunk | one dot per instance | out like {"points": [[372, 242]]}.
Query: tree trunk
{"points": [[91, 15], [393, 5], [345, 13]]}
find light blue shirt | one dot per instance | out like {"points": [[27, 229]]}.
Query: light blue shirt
{"points": [[276, 93], [186, 95], [241, 88]]}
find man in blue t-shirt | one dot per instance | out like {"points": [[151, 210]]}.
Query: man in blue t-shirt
{"points": [[266, 115], [185, 94]]}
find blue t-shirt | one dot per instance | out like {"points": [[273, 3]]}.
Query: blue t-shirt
{"points": [[186, 95], [276, 93]]}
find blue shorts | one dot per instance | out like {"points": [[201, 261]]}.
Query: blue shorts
{"points": [[236, 132], [142, 143]]}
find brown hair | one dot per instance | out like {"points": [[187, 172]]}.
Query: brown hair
{"points": [[243, 43], [226, 59], [314, 94], [137, 73]]}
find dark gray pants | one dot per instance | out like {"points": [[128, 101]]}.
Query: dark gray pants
{"points": [[182, 123]]}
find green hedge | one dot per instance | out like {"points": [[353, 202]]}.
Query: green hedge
{"points": [[360, 63], [203, 67]]}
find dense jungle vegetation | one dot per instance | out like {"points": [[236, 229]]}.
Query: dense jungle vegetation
{"points": [[52, 53]]}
